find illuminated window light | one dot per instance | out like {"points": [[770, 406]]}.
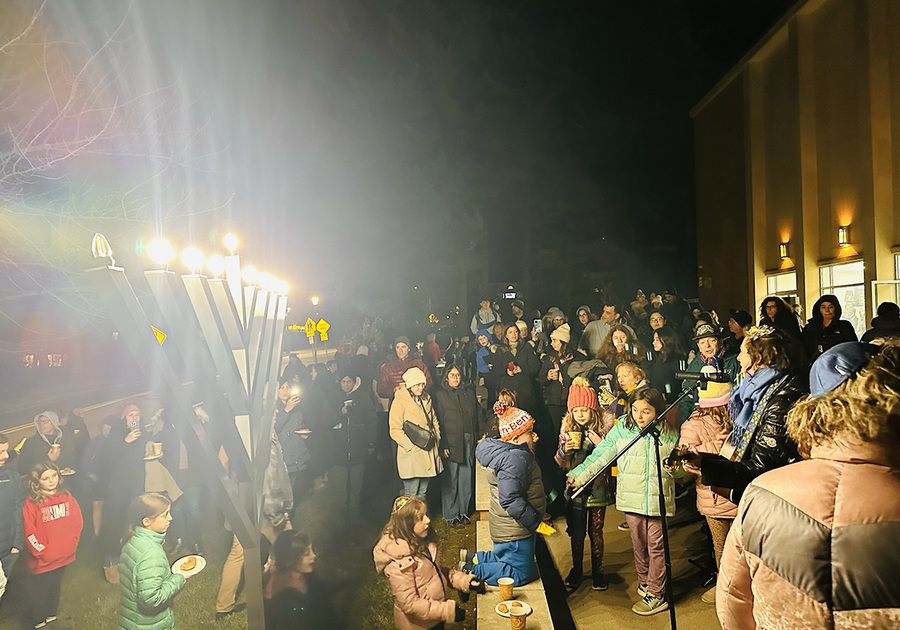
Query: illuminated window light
{"points": [[844, 235]]}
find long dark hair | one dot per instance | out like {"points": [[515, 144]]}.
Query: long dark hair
{"points": [[671, 345], [611, 357], [289, 547]]}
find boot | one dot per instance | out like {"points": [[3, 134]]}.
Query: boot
{"points": [[111, 573]]}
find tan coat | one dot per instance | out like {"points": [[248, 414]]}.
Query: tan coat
{"points": [[703, 435], [814, 545], [413, 462], [418, 584]]}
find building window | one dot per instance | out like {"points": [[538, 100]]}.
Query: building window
{"points": [[54, 360], [847, 283], [783, 285], [29, 360]]}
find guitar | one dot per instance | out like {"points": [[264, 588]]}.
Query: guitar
{"points": [[683, 454]]}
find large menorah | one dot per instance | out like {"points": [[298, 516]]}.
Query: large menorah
{"points": [[215, 341]]}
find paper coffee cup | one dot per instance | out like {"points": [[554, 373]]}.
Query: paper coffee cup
{"points": [[157, 449], [55, 448], [506, 588], [575, 437], [517, 618]]}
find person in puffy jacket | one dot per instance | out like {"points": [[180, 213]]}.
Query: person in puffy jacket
{"points": [[757, 410], [407, 555], [53, 525], [814, 544], [637, 491], [517, 499], [705, 431], [146, 582]]}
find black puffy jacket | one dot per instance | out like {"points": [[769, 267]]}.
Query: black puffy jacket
{"points": [[771, 447], [459, 413]]}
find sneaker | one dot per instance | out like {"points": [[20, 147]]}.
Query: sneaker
{"points": [[573, 580], [642, 590], [466, 560], [650, 605], [454, 522], [623, 527], [598, 582], [465, 520], [709, 596]]}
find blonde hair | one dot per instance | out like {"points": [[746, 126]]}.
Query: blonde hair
{"points": [[636, 369], [719, 414], [862, 409], [33, 480], [148, 505]]}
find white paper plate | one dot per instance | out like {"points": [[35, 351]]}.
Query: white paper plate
{"points": [[525, 607], [65, 472], [152, 458], [201, 563]]}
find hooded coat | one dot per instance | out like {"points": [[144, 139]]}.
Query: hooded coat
{"points": [[412, 461], [418, 583], [517, 492], [37, 447], [361, 415], [817, 339]]}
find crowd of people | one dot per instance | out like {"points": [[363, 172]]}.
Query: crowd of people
{"points": [[544, 403]]}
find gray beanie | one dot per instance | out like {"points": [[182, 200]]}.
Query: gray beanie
{"points": [[402, 339]]}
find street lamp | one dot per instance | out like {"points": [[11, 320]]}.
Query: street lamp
{"points": [[315, 300]]}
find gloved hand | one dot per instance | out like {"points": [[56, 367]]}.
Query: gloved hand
{"points": [[460, 614], [545, 529], [478, 586]]}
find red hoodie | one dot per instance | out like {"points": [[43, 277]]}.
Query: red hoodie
{"points": [[52, 530]]}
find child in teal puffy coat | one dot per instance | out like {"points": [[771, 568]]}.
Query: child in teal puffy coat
{"points": [[637, 491], [147, 584]]}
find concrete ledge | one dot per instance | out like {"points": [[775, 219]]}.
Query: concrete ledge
{"points": [[482, 492]]}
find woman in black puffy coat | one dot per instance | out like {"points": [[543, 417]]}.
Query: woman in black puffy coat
{"points": [[825, 329]]}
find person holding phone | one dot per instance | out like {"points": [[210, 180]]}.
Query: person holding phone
{"points": [[291, 434], [124, 474]]}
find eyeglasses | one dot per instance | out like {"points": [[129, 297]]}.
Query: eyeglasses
{"points": [[657, 319]]}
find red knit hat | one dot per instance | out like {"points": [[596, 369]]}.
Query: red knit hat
{"points": [[582, 395], [512, 420]]}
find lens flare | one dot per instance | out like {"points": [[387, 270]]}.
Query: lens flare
{"points": [[160, 251]]}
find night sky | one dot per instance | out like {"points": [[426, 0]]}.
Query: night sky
{"points": [[361, 147]]}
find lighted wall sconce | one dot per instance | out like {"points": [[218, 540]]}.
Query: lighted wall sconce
{"points": [[844, 235], [783, 251]]}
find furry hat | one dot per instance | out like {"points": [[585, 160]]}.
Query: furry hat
{"points": [[512, 420], [581, 395]]}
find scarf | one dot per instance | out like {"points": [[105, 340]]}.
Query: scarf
{"points": [[716, 361], [744, 399]]}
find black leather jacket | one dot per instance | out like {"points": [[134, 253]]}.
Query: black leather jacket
{"points": [[771, 447]]}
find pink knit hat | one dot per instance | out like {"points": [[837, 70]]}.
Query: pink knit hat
{"points": [[512, 420], [581, 395]]}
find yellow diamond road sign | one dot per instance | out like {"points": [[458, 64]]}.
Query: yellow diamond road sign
{"points": [[310, 327], [160, 335], [323, 326]]}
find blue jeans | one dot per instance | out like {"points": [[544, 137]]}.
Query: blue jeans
{"points": [[513, 559], [456, 492], [416, 487]]}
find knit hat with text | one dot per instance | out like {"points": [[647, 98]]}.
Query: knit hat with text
{"points": [[512, 421]]}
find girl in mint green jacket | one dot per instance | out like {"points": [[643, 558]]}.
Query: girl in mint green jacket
{"points": [[637, 492], [147, 584]]}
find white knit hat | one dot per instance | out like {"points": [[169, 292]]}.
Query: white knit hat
{"points": [[414, 376]]}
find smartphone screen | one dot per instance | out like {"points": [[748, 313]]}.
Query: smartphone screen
{"points": [[537, 325]]}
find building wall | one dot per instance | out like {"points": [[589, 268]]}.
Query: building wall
{"points": [[821, 105]]}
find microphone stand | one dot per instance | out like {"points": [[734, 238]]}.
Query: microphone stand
{"points": [[653, 429]]}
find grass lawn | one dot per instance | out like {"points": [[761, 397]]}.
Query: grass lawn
{"points": [[344, 561]]}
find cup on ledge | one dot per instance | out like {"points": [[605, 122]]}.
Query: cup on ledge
{"points": [[517, 618], [575, 437], [506, 588], [157, 449]]}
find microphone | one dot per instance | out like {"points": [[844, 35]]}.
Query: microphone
{"points": [[704, 377]]}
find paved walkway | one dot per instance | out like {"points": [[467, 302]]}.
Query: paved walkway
{"points": [[612, 608]]}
